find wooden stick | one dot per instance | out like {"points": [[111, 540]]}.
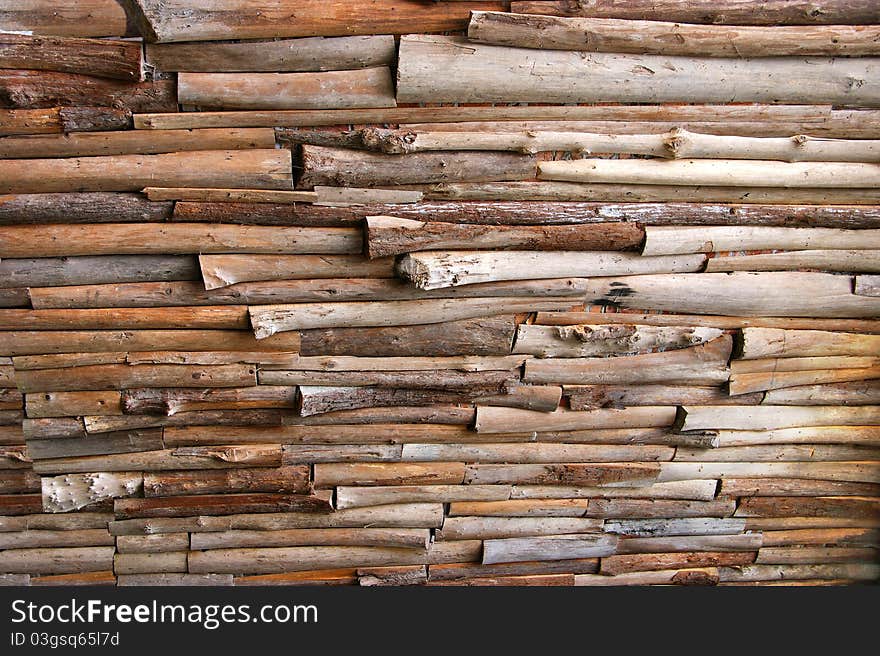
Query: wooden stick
{"points": [[357, 496], [56, 120], [171, 579], [95, 207], [668, 240], [695, 576], [455, 571], [365, 87], [859, 472], [293, 479], [266, 169], [747, 487], [61, 560], [142, 563], [747, 573], [96, 270], [590, 397], [170, 401], [767, 342], [50, 522], [777, 453], [745, 383], [504, 76], [219, 504], [867, 286], [98, 537], [228, 316], [773, 417], [856, 393], [152, 543], [222, 270], [333, 474], [666, 38], [205, 195], [558, 547], [589, 475], [86, 18], [507, 420], [837, 260], [115, 442], [624, 564], [849, 507], [806, 555], [749, 542], [366, 537], [869, 435], [120, 60], [531, 453]]}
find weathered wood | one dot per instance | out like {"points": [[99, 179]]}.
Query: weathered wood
{"points": [[559, 547], [695, 576], [62, 360], [773, 417], [531, 453], [457, 571], [270, 319], [180, 20], [60, 560], [591, 474], [227, 196], [356, 496], [386, 235], [219, 504], [867, 286], [29, 89], [333, 474], [478, 73], [793, 453], [353, 168], [807, 555], [405, 575], [76, 491], [22, 481], [263, 418], [590, 397], [356, 453], [623, 564], [781, 294], [858, 472], [86, 578], [87, 18], [337, 576], [854, 571], [261, 169], [100, 269], [667, 38], [485, 528], [79, 341], [749, 542], [509, 420], [849, 507], [841, 537], [748, 487], [170, 401], [756, 382], [291, 559], [726, 12], [438, 269], [118, 442], [767, 342], [222, 270], [855, 393], [143, 563], [485, 382], [661, 508], [362, 537], [291, 479], [669, 240], [50, 522], [647, 528], [94, 144], [225, 316], [839, 260], [869, 435], [176, 580], [309, 54], [346, 196], [95, 207], [126, 544], [696, 490], [120, 60], [582, 340]]}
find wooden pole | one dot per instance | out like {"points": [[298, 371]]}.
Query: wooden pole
{"points": [[822, 260], [668, 240]]}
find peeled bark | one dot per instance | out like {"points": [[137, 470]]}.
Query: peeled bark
{"points": [[835, 260], [120, 60], [223, 270], [293, 479], [96, 207], [647, 528], [669, 240], [474, 73], [76, 491], [668, 38]]}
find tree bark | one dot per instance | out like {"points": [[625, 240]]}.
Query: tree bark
{"points": [[48, 539], [669, 240], [807, 555], [439, 573], [229, 196], [126, 544], [225, 316], [57, 120], [97, 270], [694, 576], [81, 208], [218, 504], [647, 528], [120, 60], [474, 73], [291, 479], [21, 481], [493, 528], [850, 507], [668, 38]]}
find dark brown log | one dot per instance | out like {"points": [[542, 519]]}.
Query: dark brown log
{"points": [[20, 504], [120, 60], [84, 18], [612, 565], [387, 235], [14, 298], [483, 336], [37, 429], [723, 12], [850, 507], [10, 417], [26, 89], [352, 168], [290, 479], [57, 120], [588, 397], [95, 207], [96, 270], [118, 442], [171, 400], [19, 481], [206, 317], [220, 504]]}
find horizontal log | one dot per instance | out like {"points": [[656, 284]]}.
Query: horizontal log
{"points": [[221, 317], [176, 580], [696, 490], [867, 435], [704, 364], [57, 120], [333, 453], [20, 504], [855, 393], [588, 474], [338, 167], [51, 522], [485, 528], [623, 564], [756, 382], [63, 360], [333, 474], [120, 60], [362, 537], [386, 235], [458, 571], [694, 576], [590, 397], [291, 479], [509, 420], [464, 364], [649, 508], [265, 419], [149, 439], [96, 270], [126, 544], [485, 382], [504, 76], [337, 576], [867, 286], [849, 507], [356, 496], [807, 555], [11, 435], [647, 528], [61, 560], [143, 563], [767, 342], [773, 417], [665, 38], [261, 169], [841, 537], [96, 341], [285, 55], [22, 481], [531, 453], [228, 196], [750, 487], [268, 320], [854, 571], [858, 472], [347, 196], [219, 504], [727, 12], [749, 542], [781, 294], [839, 260], [90, 207], [95, 537], [783, 453], [170, 401], [560, 547], [84, 19], [669, 240], [222, 270]]}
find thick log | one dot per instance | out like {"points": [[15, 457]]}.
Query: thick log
{"points": [[590, 397], [366, 87], [120, 442], [867, 286], [806, 555], [363, 537], [29, 89], [292, 479], [100, 269], [120, 60], [767, 343], [171, 400], [589, 475], [78, 341], [747, 573], [510, 420], [386, 235], [857, 472], [261, 169], [93, 144], [667, 38], [219, 504], [531, 453], [750, 487], [773, 417], [695, 490], [355, 496], [782, 294], [669, 240], [126, 544], [353, 168], [223, 316], [836, 260], [756, 382], [856, 393], [481, 336], [847, 507], [559, 547], [726, 12], [624, 564], [485, 528], [597, 340], [96, 207], [694, 576], [76, 491], [181, 20], [457, 571], [57, 120], [268, 320], [705, 364], [439, 269], [475, 73], [98, 537], [213, 457], [61, 560], [222, 270], [333, 474], [310, 54]]}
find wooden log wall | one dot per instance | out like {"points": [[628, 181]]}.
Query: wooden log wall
{"points": [[587, 297]]}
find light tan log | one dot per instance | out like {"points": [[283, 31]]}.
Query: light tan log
{"points": [[856, 393], [154, 238], [259, 169], [590, 397], [348, 196], [360, 537], [532, 453], [836, 260], [209, 195], [75, 491], [842, 537], [145, 544], [170, 401], [867, 285], [648, 508], [745, 383], [584, 340], [852, 507], [647, 528], [367, 87], [773, 417], [175, 580], [705, 364], [665, 38], [781, 294], [858, 472], [144, 563], [768, 342], [222, 270], [749, 542], [456, 571], [559, 547], [354, 497], [388, 235], [779, 453], [437, 269], [621, 474], [739, 487], [333, 453], [441, 473], [482, 528], [520, 508], [270, 319], [61, 560], [801, 364], [695, 490], [510, 420], [474, 73], [808, 555], [624, 564], [65, 404], [854, 571], [98, 537], [309, 54], [49, 522], [692, 576], [291, 559], [671, 240]]}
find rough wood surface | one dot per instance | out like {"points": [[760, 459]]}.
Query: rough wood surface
{"points": [[29, 89], [222, 270], [667, 240], [867, 286], [818, 260], [119, 60], [96, 207], [855, 393]]}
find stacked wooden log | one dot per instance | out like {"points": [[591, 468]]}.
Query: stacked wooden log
{"points": [[269, 319]]}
